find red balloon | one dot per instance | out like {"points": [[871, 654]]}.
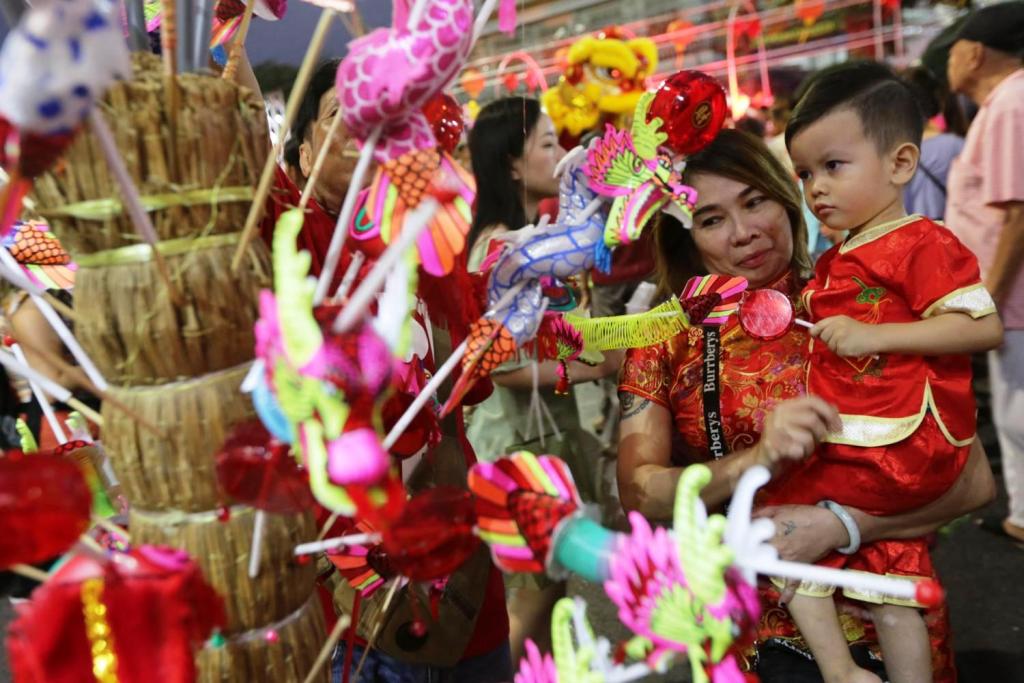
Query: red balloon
{"points": [[445, 116], [434, 534], [692, 109], [31, 153], [766, 314], [256, 470], [44, 506]]}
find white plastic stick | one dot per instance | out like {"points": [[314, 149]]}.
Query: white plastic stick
{"points": [[416, 14], [255, 550], [859, 581], [332, 543], [8, 360], [486, 10], [58, 326], [350, 275], [37, 392], [348, 208], [803, 323], [440, 376], [425, 395], [416, 222]]}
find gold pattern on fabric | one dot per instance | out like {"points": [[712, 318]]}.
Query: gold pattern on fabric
{"points": [[98, 632], [870, 430], [872, 234], [974, 300], [141, 253], [103, 209], [879, 598]]}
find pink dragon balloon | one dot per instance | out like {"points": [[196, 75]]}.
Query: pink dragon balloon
{"points": [[390, 74], [383, 85]]}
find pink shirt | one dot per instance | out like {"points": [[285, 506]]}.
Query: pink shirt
{"points": [[990, 170]]}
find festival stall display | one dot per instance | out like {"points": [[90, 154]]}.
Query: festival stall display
{"points": [[171, 326], [155, 200]]}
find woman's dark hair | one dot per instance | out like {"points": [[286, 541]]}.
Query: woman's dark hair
{"points": [[497, 139], [744, 158], [322, 81], [933, 98]]}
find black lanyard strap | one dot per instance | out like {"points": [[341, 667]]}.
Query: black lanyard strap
{"points": [[712, 393]]}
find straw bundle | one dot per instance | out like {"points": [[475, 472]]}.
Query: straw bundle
{"points": [[174, 472], [196, 181], [251, 657], [221, 548], [136, 335]]}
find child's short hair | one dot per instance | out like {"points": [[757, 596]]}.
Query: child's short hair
{"points": [[887, 108]]}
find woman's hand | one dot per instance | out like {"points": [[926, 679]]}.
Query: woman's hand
{"points": [[794, 428], [804, 533]]}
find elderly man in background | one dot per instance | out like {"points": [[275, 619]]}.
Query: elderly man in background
{"points": [[986, 209]]}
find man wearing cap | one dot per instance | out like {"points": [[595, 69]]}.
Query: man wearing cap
{"points": [[985, 208]]}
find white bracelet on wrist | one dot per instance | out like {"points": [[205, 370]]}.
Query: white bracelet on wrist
{"points": [[852, 530]]}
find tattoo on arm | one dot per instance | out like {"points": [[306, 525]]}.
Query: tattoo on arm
{"points": [[631, 405]]}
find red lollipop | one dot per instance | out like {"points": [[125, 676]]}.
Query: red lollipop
{"points": [[692, 108], [254, 469], [44, 506], [434, 534], [445, 116], [767, 314]]}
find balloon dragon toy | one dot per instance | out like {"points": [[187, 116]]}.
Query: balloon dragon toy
{"points": [[689, 590]]}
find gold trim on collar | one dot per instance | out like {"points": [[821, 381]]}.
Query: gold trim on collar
{"points": [[872, 234], [974, 300]]}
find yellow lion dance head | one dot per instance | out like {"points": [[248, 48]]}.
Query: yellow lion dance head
{"points": [[603, 81]]}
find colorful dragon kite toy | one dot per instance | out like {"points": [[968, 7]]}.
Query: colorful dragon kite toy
{"points": [[573, 245], [579, 657], [383, 84], [319, 389], [626, 166], [630, 167]]}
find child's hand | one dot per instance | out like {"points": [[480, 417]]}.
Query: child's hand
{"points": [[848, 337]]}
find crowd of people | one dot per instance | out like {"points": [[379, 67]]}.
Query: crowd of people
{"points": [[867, 421]]}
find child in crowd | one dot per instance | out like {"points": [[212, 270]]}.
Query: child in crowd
{"points": [[898, 307]]}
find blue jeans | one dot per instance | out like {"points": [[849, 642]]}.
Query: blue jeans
{"points": [[491, 667]]}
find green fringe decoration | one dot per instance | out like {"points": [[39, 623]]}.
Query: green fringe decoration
{"points": [[659, 324]]}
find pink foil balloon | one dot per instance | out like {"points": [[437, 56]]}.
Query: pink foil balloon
{"points": [[390, 74]]}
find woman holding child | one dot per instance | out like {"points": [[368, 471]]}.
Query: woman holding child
{"points": [[748, 222]]}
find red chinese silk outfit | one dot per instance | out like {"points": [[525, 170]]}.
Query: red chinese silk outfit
{"points": [[908, 420], [754, 377]]}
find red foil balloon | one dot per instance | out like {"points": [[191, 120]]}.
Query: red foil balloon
{"points": [[44, 506], [32, 154], [445, 116], [692, 108], [766, 314], [254, 469], [434, 534]]}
